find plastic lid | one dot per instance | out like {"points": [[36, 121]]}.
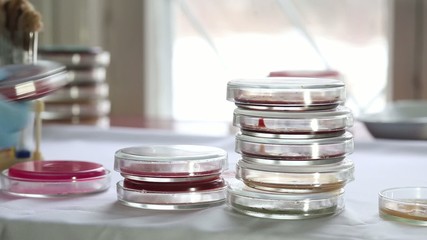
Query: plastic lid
{"points": [[306, 73], [294, 123], [286, 93], [170, 161], [31, 81], [275, 205]]}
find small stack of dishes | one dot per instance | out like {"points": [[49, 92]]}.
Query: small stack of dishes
{"points": [[85, 99], [294, 144], [171, 177]]}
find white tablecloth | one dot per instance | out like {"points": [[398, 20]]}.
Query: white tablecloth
{"points": [[379, 164]]}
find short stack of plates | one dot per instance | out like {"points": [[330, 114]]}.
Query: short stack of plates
{"points": [[85, 99], [294, 144], [171, 177]]}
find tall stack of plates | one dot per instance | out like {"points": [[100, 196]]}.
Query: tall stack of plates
{"points": [[293, 143], [85, 99]]}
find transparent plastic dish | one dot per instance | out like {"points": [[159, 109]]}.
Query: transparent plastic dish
{"points": [[286, 93], [85, 109], [406, 204], [295, 149], [295, 179], [171, 196], [21, 82], [75, 56], [253, 202], [54, 178], [86, 92], [323, 123], [171, 163]]}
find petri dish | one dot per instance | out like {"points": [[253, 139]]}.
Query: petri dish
{"points": [[307, 73], [286, 93], [295, 179], [80, 93], [406, 204], [171, 196], [54, 178], [171, 163], [84, 109], [295, 149], [75, 56], [21, 82], [253, 202], [88, 75], [310, 124]]}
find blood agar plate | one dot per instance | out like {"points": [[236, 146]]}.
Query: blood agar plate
{"points": [[171, 163], [54, 178], [72, 94], [88, 75], [75, 56], [295, 179], [406, 204], [86, 109], [21, 82], [171, 196], [307, 74], [264, 204], [309, 124], [286, 93], [295, 149]]}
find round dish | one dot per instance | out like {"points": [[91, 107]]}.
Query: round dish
{"points": [[21, 82], [295, 149], [295, 179], [263, 204], [171, 196], [75, 56], [307, 74], [295, 124], [286, 93], [93, 121], [88, 75], [54, 178], [407, 204], [81, 93], [170, 163], [89, 109]]}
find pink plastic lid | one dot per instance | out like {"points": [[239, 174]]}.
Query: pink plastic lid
{"points": [[56, 170], [306, 73]]}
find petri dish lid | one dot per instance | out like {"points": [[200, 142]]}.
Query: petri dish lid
{"points": [[76, 56], [292, 122], [306, 73], [20, 82], [86, 92], [286, 92], [168, 162], [405, 204], [278, 140], [68, 110]]}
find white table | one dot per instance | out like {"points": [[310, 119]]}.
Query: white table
{"points": [[379, 164]]}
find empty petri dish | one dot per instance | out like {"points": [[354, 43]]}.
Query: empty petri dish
{"points": [[20, 82], [171, 196], [288, 93], [406, 204], [75, 56], [295, 179], [253, 202], [295, 149], [84, 109], [80, 93], [54, 178], [310, 124], [171, 163]]}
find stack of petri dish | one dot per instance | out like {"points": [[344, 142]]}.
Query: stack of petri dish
{"points": [[85, 99], [171, 177], [293, 142]]}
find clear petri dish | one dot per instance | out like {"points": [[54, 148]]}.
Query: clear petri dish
{"points": [[171, 196], [253, 202], [84, 109], [54, 178], [295, 149], [171, 163], [21, 82], [80, 93], [311, 124], [75, 56], [287, 93], [406, 204], [295, 179]]}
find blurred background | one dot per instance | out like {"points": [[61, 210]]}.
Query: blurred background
{"points": [[171, 59]]}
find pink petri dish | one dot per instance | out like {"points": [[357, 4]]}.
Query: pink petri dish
{"points": [[171, 196], [286, 93], [171, 163], [307, 73], [54, 178], [21, 82], [75, 56], [82, 109], [82, 93]]}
